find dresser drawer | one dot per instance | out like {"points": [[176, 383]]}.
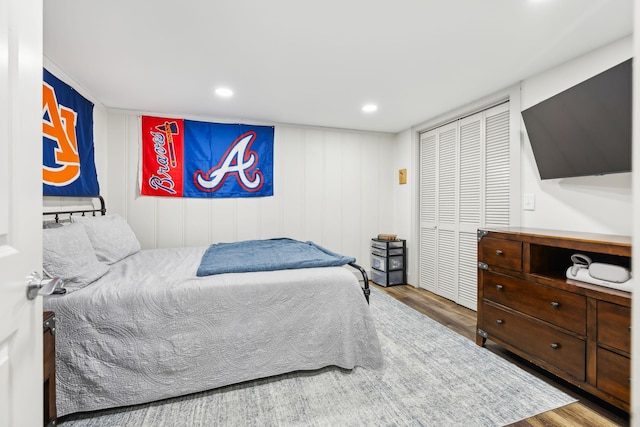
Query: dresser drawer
{"points": [[503, 253], [561, 308], [537, 340], [614, 373], [614, 326]]}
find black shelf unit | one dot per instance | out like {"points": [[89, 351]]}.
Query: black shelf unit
{"points": [[388, 262]]}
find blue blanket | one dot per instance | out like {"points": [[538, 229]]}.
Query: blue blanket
{"points": [[266, 255]]}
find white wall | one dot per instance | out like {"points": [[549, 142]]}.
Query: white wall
{"points": [[406, 206], [598, 204], [333, 187]]}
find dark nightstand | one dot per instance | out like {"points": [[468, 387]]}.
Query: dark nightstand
{"points": [[49, 358]]}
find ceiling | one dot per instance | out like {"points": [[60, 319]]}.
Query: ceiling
{"points": [[318, 62]]}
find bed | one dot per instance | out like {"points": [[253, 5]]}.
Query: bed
{"points": [[145, 327]]}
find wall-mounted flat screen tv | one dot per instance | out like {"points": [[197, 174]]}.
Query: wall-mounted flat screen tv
{"points": [[585, 130]]}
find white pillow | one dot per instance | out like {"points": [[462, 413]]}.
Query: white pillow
{"points": [[67, 253], [110, 235]]}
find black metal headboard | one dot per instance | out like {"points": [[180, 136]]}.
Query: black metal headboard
{"points": [[102, 210]]}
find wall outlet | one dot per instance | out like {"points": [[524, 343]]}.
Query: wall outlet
{"points": [[529, 202]]}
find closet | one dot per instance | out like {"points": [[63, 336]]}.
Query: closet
{"points": [[466, 172]]}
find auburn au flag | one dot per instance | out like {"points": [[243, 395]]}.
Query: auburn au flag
{"points": [[68, 166], [186, 158]]}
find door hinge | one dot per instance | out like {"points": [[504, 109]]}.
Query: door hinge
{"points": [[50, 323]]}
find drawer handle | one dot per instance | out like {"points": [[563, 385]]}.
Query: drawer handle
{"points": [[499, 321], [499, 287], [554, 346], [555, 304], [498, 252]]}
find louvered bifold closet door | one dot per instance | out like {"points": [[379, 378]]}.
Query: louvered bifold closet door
{"points": [[469, 202], [497, 167], [465, 181], [428, 242], [447, 212]]}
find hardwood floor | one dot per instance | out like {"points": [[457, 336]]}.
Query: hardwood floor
{"points": [[588, 411]]}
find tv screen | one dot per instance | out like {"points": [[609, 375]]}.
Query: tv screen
{"points": [[585, 130]]}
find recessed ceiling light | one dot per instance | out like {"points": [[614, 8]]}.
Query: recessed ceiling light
{"points": [[369, 108], [224, 92]]}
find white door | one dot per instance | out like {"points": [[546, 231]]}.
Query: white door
{"points": [[466, 182], [446, 217], [20, 211]]}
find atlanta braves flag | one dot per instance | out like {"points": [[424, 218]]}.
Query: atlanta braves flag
{"points": [[187, 158], [68, 166]]}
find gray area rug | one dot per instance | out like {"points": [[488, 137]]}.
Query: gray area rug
{"points": [[432, 377]]}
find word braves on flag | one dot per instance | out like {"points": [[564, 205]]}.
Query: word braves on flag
{"points": [[187, 158], [68, 165]]}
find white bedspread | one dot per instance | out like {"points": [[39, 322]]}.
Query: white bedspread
{"points": [[150, 329]]}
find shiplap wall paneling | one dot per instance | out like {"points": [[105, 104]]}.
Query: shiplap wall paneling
{"points": [[116, 196], [331, 186], [267, 220], [222, 220], [169, 222], [332, 192], [248, 214], [290, 182], [376, 192], [351, 234], [381, 180], [311, 197], [196, 226]]}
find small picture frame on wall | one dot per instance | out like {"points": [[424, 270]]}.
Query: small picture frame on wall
{"points": [[402, 176]]}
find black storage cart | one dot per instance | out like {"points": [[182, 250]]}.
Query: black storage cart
{"points": [[388, 262]]}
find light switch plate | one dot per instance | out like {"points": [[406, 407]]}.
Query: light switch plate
{"points": [[529, 202]]}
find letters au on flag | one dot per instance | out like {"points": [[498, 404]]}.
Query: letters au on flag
{"points": [[68, 166], [187, 158]]}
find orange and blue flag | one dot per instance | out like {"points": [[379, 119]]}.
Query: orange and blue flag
{"points": [[68, 165]]}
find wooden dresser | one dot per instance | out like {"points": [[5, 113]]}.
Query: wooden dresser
{"points": [[575, 330]]}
